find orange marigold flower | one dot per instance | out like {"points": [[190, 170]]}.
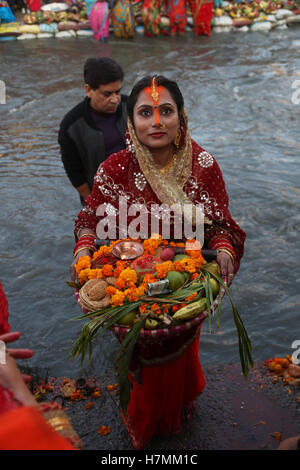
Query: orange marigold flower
{"points": [[112, 387], [133, 293], [110, 290], [163, 268], [194, 276], [118, 298], [129, 276], [176, 307], [96, 393], [103, 430], [108, 270], [151, 244], [155, 307], [143, 308], [89, 405], [102, 250], [190, 297], [179, 266], [83, 263], [149, 278], [161, 271], [120, 283], [83, 276]]}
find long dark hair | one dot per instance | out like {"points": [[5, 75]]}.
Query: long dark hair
{"points": [[171, 86]]}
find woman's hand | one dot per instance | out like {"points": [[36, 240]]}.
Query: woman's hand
{"points": [[73, 273], [11, 378], [226, 265], [17, 353]]}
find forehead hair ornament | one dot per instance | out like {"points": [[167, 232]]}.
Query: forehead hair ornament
{"points": [[154, 91]]}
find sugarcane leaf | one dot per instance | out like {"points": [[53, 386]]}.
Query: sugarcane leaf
{"points": [[122, 361]]}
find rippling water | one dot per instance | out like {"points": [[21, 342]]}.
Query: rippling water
{"points": [[238, 93]]}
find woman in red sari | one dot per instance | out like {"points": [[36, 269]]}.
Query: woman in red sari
{"points": [[202, 11], [162, 165]]}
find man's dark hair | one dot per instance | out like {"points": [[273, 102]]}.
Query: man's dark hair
{"points": [[146, 82], [100, 71]]}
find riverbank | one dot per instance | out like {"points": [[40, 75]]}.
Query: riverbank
{"points": [[231, 413], [228, 17]]}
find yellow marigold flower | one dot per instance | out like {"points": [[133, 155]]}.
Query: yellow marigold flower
{"points": [[92, 274], [84, 262], [118, 298], [83, 275], [102, 250], [151, 244], [129, 276]]}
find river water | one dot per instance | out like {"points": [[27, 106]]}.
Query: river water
{"points": [[243, 109]]}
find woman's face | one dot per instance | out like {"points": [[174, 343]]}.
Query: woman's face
{"points": [[156, 124]]}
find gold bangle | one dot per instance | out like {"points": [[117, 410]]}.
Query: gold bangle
{"points": [[228, 252], [80, 249], [59, 421]]}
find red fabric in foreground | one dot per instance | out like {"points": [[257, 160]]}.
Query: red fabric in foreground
{"points": [[4, 325], [156, 406], [26, 429]]}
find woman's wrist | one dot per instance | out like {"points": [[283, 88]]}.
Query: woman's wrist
{"points": [[223, 250]]}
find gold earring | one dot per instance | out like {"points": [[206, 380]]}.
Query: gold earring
{"points": [[177, 138]]}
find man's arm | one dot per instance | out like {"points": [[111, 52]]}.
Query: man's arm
{"points": [[72, 163]]}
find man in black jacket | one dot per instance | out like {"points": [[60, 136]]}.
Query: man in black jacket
{"points": [[95, 128]]}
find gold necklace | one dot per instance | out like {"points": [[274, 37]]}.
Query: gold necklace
{"points": [[166, 168]]}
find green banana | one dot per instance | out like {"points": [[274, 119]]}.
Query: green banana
{"points": [[150, 324], [190, 311]]}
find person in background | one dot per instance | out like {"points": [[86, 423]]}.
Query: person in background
{"points": [[178, 16], [122, 19], [99, 20], [202, 11], [96, 127]]}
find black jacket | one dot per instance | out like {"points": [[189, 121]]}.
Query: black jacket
{"points": [[82, 142]]}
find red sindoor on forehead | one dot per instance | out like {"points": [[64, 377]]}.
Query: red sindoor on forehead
{"points": [[154, 91]]}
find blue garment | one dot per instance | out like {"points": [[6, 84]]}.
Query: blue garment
{"points": [[6, 15], [89, 6]]}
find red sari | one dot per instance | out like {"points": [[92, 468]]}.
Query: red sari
{"points": [[203, 13], [177, 15], [4, 325], [167, 388]]}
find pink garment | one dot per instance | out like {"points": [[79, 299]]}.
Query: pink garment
{"points": [[99, 20]]}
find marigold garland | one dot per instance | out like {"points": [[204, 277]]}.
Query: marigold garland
{"points": [[126, 286]]}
